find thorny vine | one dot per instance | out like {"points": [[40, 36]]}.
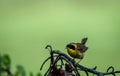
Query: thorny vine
{"points": [[70, 68]]}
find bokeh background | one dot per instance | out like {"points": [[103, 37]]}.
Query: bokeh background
{"points": [[27, 26]]}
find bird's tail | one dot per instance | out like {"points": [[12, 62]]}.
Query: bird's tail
{"points": [[84, 40]]}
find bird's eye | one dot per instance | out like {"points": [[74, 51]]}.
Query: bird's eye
{"points": [[71, 46]]}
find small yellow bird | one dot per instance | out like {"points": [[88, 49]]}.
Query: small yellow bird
{"points": [[77, 50]]}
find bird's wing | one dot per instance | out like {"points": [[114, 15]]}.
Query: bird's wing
{"points": [[81, 48]]}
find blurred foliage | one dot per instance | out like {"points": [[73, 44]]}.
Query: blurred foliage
{"points": [[0, 63], [20, 71], [0, 58], [5, 65], [39, 74], [31, 74], [6, 61]]}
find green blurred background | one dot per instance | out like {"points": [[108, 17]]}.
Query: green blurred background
{"points": [[27, 26]]}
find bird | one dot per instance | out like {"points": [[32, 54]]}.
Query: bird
{"points": [[77, 50]]}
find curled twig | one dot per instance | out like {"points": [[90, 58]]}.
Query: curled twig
{"points": [[112, 71], [56, 56]]}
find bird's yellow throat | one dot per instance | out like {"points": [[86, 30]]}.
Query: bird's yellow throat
{"points": [[72, 52]]}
